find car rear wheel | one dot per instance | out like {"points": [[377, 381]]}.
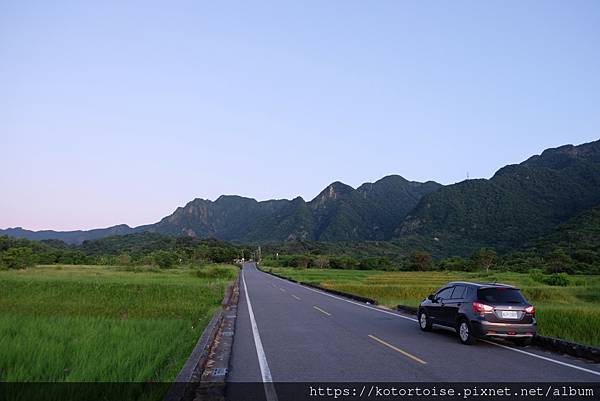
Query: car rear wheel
{"points": [[465, 335], [424, 322], [522, 341]]}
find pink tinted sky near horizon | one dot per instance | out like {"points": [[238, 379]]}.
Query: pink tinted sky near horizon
{"points": [[118, 113]]}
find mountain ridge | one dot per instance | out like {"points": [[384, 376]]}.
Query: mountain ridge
{"points": [[236, 218], [519, 203]]}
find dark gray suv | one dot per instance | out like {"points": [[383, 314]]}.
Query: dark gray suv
{"points": [[480, 310]]}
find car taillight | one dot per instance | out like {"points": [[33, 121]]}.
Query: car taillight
{"points": [[530, 310], [482, 308]]}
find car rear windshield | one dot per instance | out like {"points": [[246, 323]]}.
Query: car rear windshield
{"points": [[501, 296]]}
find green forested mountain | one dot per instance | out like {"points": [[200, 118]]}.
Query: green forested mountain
{"points": [[578, 237], [518, 204], [338, 213], [371, 212]]}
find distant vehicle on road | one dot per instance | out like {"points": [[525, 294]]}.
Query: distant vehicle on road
{"points": [[480, 310]]}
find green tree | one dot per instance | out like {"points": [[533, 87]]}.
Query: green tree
{"points": [[455, 263], [18, 258], [558, 261], [586, 256], [302, 261], [375, 263], [344, 262], [165, 259], [321, 262], [420, 260], [485, 258], [123, 259]]}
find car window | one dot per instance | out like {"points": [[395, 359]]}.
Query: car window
{"points": [[458, 292], [445, 293], [501, 295], [469, 293]]}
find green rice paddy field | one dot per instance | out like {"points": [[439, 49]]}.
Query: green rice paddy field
{"points": [[571, 312], [92, 323]]}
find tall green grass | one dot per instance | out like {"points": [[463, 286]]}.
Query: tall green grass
{"points": [[571, 312], [90, 323]]}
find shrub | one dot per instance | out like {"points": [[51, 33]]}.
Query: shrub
{"points": [[557, 279], [537, 275], [215, 272]]}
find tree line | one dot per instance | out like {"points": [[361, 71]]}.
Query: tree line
{"points": [[128, 250], [554, 261]]}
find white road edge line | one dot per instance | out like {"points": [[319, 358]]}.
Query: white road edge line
{"points": [[544, 358], [265, 372], [415, 320]]}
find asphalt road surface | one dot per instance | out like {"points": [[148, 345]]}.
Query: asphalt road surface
{"points": [[286, 332]]}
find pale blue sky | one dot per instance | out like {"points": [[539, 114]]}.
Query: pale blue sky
{"points": [[118, 113]]}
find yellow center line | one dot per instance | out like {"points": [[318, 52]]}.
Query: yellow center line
{"points": [[411, 356], [298, 298], [322, 311]]}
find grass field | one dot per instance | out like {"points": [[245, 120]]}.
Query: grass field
{"points": [[91, 323], [571, 312]]}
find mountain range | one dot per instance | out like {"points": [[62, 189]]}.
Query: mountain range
{"points": [[519, 204], [371, 212]]}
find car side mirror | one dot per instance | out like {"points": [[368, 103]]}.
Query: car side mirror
{"points": [[431, 297]]}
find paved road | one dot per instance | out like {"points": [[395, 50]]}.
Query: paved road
{"points": [[310, 336]]}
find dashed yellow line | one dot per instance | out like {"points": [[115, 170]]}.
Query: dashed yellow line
{"points": [[298, 298], [322, 311], [411, 356]]}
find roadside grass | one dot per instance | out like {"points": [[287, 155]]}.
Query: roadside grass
{"points": [[91, 323], [571, 313]]}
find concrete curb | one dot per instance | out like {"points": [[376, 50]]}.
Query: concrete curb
{"points": [[407, 309], [195, 362], [335, 292], [568, 347], [213, 379], [548, 343], [188, 382]]}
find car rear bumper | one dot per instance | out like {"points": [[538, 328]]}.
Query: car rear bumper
{"points": [[510, 330]]}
